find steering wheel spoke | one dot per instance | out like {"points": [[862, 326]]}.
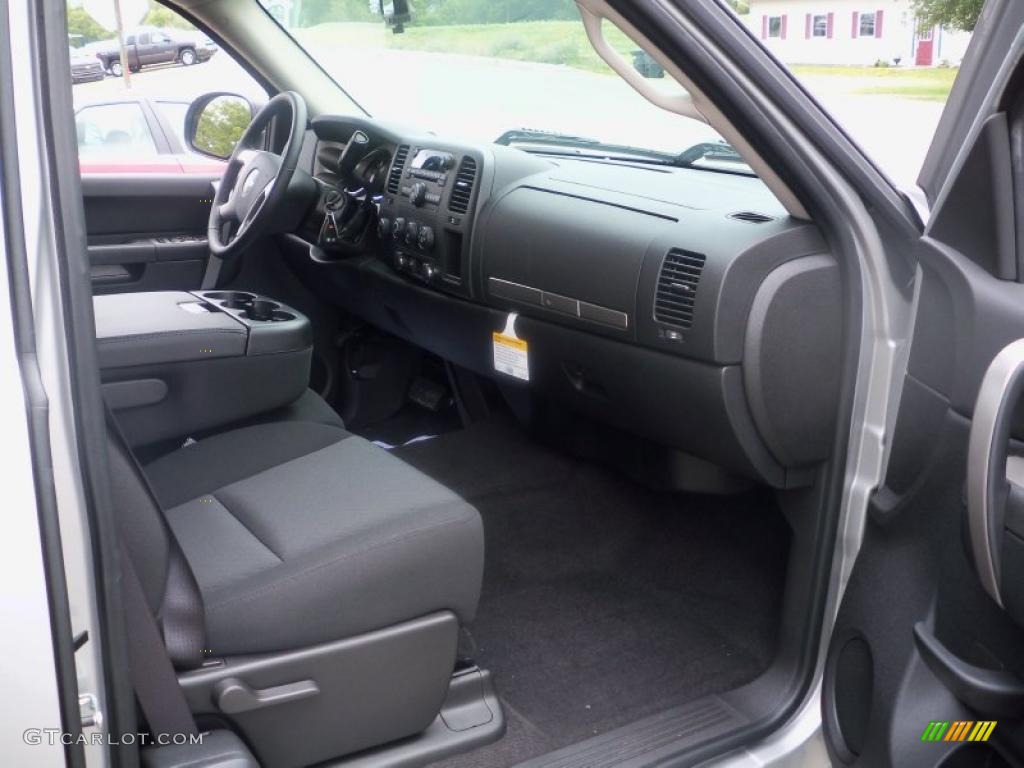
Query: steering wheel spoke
{"points": [[227, 211], [245, 156], [255, 207]]}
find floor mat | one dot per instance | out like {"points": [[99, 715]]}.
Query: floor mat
{"points": [[604, 601], [410, 422]]}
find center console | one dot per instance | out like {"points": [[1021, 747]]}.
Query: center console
{"points": [[175, 363]]}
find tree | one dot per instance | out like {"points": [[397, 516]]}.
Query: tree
{"points": [[161, 16], [955, 14], [222, 124], [443, 12], [313, 12], [81, 23]]}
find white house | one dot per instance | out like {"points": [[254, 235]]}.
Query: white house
{"points": [[861, 32]]}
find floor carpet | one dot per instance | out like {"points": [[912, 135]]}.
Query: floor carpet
{"points": [[604, 601]]}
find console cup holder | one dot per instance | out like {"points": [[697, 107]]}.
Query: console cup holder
{"points": [[226, 296], [276, 316], [241, 304], [251, 306]]}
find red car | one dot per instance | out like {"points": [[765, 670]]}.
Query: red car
{"points": [[137, 134]]}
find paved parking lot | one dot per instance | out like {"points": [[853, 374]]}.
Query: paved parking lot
{"points": [[494, 95]]}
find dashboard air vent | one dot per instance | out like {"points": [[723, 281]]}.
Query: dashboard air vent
{"points": [[752, 217], [463, 189], [395, 177], [677, 288]]}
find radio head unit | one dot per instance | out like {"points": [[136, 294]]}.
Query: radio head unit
{"points": [[426, 213], [432, 160]]}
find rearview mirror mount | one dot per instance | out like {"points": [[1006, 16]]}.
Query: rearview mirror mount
{"points": [[395, 14]]}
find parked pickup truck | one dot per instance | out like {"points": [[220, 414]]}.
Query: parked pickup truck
{"points": [[150, 45], [84, 67]]}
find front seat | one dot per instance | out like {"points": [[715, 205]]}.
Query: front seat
{"points": [[326, 569]]}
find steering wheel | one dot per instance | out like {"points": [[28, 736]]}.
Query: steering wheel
{"points": [[255, 181]]}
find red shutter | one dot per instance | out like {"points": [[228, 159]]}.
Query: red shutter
{"points": [[782, 31], [764, 27], [828, 29], [853, 29], [807, 26], [878, 23]]}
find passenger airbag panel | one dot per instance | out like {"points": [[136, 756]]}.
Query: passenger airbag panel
{"points": [[527, 242]]}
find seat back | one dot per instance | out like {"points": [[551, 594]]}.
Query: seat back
{"points": [[167, 580]]}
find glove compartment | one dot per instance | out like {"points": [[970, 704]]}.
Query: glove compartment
{"points": [[567, 258]]}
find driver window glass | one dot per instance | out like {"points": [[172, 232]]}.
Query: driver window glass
{"points": [[121, 120], [174, 112]]}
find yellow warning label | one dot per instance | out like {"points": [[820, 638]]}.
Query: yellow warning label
{"points": [[511, 356], [500, 338]]}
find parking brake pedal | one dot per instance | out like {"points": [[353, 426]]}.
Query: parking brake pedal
{"points": [[429, 394]]}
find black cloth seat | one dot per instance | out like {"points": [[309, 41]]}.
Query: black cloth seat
{"points": [[308, 407], [300, 533]]}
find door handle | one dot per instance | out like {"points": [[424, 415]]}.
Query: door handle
{"points": [[990, 692], [233, 695]]}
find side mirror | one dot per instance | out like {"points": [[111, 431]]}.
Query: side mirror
{"points": [[396, 13], [215, 122]]}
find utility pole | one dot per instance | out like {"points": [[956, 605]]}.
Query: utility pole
{"points": [[125, 73]]}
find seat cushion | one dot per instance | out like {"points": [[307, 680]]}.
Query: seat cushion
{"points": [[304, 533], [226, 457]]}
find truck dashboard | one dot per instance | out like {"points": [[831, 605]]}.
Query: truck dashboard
{"points": [[683, 305]]}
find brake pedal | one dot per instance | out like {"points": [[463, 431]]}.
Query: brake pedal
{"points": [[428, 394]]}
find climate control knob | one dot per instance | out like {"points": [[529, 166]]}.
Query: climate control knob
{"points": [[418, 193], [412, 232], [398, 228], [425, 238], [383, 227]]}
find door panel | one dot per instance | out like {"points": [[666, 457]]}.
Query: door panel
{"points": [[916, 565], [926, 664], [147, 232]]}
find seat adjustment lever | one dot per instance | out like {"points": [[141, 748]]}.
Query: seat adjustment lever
{"points": [[233, 695]]}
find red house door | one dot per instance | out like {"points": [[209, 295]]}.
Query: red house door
{"points": [[925, 47]]}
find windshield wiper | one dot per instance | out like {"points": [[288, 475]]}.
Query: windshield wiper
{"points": [[587, 146], [712, 151], [719, 155]]}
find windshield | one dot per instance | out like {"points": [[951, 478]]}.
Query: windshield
{"points": [[521, 72]]}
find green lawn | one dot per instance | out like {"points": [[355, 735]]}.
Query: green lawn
{"points": [[549, 42], [565, 43], [931, 84]]}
